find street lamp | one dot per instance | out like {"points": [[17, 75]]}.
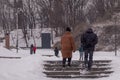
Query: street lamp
{"points": [[116, 19], [18, 5], [115, 36], [17, 12], [17, 30]]}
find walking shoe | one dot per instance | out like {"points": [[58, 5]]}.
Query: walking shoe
{"points": [[86, 65], [69, 65], [63, 65], [88, 69]]}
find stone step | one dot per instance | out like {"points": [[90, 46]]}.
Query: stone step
{"points": [[100, 68], [77, 72], [74, 68], [75, 65], [77, 76], [77, 61]]}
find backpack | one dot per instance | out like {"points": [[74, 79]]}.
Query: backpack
{"points": [[89, 40]]}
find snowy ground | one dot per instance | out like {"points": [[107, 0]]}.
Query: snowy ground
{"points": [[30, 67]]}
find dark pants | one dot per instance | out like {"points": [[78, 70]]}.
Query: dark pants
{"points": [[34, 51], [56, 53], [31, 51], [88, 59], [64, 61]]}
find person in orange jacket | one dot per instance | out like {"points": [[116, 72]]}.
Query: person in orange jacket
{"points": [[67, 46]]}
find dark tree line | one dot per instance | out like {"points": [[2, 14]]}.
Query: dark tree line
{"points": [[54, 14]]}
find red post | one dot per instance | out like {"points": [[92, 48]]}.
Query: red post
{"points": [[7, 41]]}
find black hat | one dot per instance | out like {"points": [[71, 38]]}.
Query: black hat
{"points": [[68, 29], [89, 30]]}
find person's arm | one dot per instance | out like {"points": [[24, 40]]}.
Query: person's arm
{"points": [[96, 40], [61, 43], [73, 44]]}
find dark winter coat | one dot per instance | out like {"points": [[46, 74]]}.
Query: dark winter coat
{"points": [[67, 45], [31, 49], [92, 37]]}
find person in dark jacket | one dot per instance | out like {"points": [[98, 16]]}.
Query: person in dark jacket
{"points": [[31, 49], [89, 39], [56, 51]]}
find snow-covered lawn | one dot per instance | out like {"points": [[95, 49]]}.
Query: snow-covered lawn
{"points": [[30, 67]]}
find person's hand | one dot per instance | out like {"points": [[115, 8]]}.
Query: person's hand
{"points": [[73, 50]]}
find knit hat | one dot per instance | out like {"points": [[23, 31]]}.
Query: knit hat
{"points": [[68, 29]]}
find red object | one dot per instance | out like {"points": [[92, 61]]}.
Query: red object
{"points": [[34, 49]]}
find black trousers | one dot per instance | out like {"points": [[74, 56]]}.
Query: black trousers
{"points": [[31, 51], [64, 61], [56, 53], [88, 58]]}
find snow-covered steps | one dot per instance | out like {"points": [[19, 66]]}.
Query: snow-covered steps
{"points": [[77, 61], [76, 72], [76, 65], [76, 76], [100, 68], [74, 68]]}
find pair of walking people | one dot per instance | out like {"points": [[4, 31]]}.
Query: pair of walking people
{"points": [[33, 49], [88, 40]]}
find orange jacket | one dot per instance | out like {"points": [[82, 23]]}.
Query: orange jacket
{"points": [[67, 45]]}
